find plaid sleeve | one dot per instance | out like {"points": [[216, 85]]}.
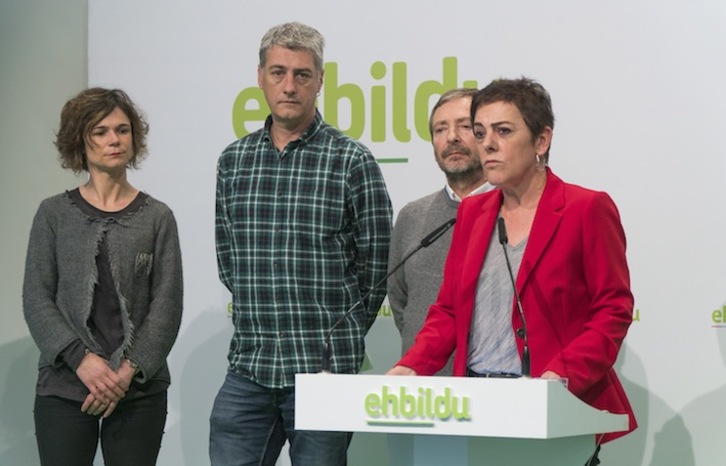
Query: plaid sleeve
{"points": [[372, 223]]}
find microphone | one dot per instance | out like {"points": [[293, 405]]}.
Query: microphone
{"points": [[526, 372], [426, 242]]}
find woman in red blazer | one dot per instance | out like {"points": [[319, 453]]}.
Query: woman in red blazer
{"points": [[568, 250]]}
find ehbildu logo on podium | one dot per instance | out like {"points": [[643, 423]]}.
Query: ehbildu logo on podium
{"points": [[423, 408]]}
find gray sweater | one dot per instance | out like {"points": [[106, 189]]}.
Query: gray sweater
{"points": [[414, 287], [60, 275]]}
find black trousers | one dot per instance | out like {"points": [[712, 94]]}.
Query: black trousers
{"points": [[131, 435]]}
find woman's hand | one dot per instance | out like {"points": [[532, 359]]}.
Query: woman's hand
{"points": [[401, 370], [106, 387], [95, 406], [127, 372]]}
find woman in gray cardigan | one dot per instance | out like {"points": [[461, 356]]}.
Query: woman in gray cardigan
{"points": [[102, 294]]}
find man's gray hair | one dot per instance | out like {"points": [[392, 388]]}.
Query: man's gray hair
{"points": [[294, 36], [453, 94]]}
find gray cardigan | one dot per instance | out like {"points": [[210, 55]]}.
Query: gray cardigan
{"points": [[60, 274], [414, 287]]}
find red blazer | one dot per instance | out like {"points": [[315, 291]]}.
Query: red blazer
{"points": [[573, 282]]}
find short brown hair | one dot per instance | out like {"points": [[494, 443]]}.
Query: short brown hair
{"points": [[81, 113]]}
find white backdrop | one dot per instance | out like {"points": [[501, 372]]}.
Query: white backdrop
{"points": [[638, 94]]}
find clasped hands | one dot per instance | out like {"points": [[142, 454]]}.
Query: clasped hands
{"points": [[107, 387]]}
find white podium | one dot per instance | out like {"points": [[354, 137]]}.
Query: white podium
{"points": [[457, 421]]}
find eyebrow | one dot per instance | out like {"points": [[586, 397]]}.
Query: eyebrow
{"points": [[495, 124], [107, 126], [295, 70], [458, 120]]}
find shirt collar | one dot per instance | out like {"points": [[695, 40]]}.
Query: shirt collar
{"points": [[309, 133], [481, 189]]}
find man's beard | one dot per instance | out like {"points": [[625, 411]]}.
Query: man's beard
{"points": [[459, 172]]}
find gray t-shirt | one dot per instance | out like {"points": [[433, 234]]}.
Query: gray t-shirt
{"points": [[492, 344]]}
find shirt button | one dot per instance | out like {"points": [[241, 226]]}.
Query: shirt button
{"points": [[520, 332]]}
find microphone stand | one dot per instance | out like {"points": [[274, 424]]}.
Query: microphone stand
{"points": [[503, 240]]}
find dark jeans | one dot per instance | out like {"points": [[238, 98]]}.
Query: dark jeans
{"points": [[131, 435], [250, 424]]}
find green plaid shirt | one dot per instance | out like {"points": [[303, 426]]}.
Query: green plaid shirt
{"points": [[301, 234]]}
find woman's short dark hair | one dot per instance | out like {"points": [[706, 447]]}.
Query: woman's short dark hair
{"points": [[83, 112], [530, 97]]}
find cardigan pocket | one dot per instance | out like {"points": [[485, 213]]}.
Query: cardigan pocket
{"points": [[143, 265]]}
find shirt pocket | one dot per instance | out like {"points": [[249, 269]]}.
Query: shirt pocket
{"points": [[143, 265]]}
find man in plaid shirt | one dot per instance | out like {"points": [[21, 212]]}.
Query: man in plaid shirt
{"points": [[303, 222]]}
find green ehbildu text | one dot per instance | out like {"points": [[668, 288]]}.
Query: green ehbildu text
{"points": [[424, 405], [369, 111]]}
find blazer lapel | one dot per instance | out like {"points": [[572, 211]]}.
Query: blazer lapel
{"points": [[546, 220], [479, 237]]}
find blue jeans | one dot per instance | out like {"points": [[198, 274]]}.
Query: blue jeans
{"points": [[131, 435], [250, 424]]}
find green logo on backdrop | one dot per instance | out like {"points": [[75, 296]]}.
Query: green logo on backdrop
{"points": [[718, 317], [379, 113]]}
